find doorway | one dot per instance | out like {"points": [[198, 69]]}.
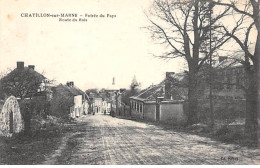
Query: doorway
{"points": [[11, 122], [157, 111]]}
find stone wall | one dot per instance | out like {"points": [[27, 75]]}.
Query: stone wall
{"points": [[169, 111], [224, 109], [150, 111], [10, 118], [172, 112]]}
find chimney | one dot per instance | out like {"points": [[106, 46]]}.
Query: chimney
{"points": [[169, 75], [113, 83], [168, 88], [71, 84], [20, 65], [31, 67]]}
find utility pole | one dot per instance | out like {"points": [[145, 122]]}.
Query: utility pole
{"points": [[117, 101], [210, 63]]}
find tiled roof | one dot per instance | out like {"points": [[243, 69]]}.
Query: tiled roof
{"points": [[17, 71], [94, 95], [26, 75], [151, 92], [154, 91], [73, 90]]}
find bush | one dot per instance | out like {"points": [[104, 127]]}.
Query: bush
{"points": [[229, 135]]}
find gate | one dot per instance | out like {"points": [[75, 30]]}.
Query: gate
{"points": [[157, 111]]}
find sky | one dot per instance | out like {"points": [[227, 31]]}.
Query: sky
{"points": [[89, 53]]}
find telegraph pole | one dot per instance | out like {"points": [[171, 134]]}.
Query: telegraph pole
{"points": [[210, 75]]}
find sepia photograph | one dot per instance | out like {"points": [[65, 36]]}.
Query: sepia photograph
{"points": [[129, 82]]}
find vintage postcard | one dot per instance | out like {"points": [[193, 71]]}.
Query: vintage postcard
{"points": [[129, 82]]}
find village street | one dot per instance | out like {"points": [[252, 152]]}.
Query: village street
{"points": [[102, 139]]}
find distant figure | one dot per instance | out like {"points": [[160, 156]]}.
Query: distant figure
{"points": [[105, 112], [113, 113], [77, 112]]}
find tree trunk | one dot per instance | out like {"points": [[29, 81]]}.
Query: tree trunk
{"points": [[251, 123], [26, 113], [257, 62], [252, 94], [192, 117], [27, 124]]}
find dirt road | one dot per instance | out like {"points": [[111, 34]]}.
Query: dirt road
{"points": [[104, 140]]}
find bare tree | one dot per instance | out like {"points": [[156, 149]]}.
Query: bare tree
{"points": [[2, 75], [248, 13], [25, 84], [183, 26]]}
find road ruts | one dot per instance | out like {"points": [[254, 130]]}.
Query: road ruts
{"points": [[106, 140]]}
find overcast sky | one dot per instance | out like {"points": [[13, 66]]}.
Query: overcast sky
{"points": [[89, 53]]}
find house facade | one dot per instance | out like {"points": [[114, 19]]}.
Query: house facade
{"points": [[228, 94], [69, 101], [80, 104], [96, 102], [111, 99], [228, 84]]}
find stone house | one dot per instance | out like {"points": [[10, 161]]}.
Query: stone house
{"points": [[106, 103], [228, 83], [26, 83], [80, 101], [151, 104], [44, 85], [111, 97], [96, 102], [163, 102], [228, 94], [69, 101], [115, 100]]}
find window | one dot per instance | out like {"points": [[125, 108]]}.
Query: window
{"points": [[141, 108]]}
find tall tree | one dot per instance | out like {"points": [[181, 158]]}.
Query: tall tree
{"points": [[22, 83], [248, 13], [183, 27]]}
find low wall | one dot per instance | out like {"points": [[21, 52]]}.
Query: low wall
{"points": [[124, 111], [172, 112], [136, 114], [150, 112]]}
